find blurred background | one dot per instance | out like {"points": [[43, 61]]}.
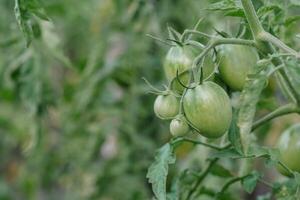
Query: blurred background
{"points": [[76, 121]]}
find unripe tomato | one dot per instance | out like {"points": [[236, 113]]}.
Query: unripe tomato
{"points": [[166, 106], [179, 126], [178, 58], [289, 146], [181, 59], [236, 62], [207, 107]]}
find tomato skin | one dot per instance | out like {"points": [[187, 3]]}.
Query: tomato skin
{"points": [[166, 106], [181, 59], [178, 58], [289, 146], [236, 62], [207, 108], [179, 126]]}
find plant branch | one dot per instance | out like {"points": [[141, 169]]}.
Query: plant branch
{"points": [[181, 139], [201, 178], [267, 37], [252, 18], [228, 184], [264, 39], [283, 110], [215, 41]]}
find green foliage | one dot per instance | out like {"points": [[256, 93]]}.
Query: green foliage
{"points": [[250, 181], [158, 171], [76, 121], [25, 12]]}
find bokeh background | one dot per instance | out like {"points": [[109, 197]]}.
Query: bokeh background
{"points": [[76, 121]]}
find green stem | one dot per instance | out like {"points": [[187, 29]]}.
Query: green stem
{"points": [[228, 184], [283, 110], [219, 41], [181, 139], [286, 168], [201, 178], [267, 37], [252, 18]]}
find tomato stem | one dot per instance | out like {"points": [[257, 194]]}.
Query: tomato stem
{"points": [[283, 110]]}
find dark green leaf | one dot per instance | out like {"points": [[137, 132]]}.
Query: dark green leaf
{"points": [[292, 19], [219, 170]]}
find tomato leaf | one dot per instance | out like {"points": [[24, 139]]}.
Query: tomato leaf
{"points": [[24, 13], [292, 19], [249, 182], [255, 83], [219, 170], [227, 153], [158, 171]]}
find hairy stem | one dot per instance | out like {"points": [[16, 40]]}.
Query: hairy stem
{"points": [[264, 39], [265, 36], [283, 110], [252, 18]]}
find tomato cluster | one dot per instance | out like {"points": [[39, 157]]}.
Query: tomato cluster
{"points": [[202, 106]]}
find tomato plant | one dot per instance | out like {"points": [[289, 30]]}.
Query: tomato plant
{"points": [[246, 63]]}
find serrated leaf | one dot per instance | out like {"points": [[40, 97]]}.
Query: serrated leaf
{"points": [[249, 182], [158, 171], [219, 170], [255, 83]]}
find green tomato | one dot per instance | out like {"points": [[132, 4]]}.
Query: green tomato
{"points": [[236, 62], [179, 126], [166, 106], [207, 108], [208, 68], [178, 58], [289, 146]]}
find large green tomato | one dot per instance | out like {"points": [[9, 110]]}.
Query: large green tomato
{"points": [[289, 146], [166, 106], [181, 59], [236, 62], [207, 108]]}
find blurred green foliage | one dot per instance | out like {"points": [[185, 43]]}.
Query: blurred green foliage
{"points": [[76, 121]]}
